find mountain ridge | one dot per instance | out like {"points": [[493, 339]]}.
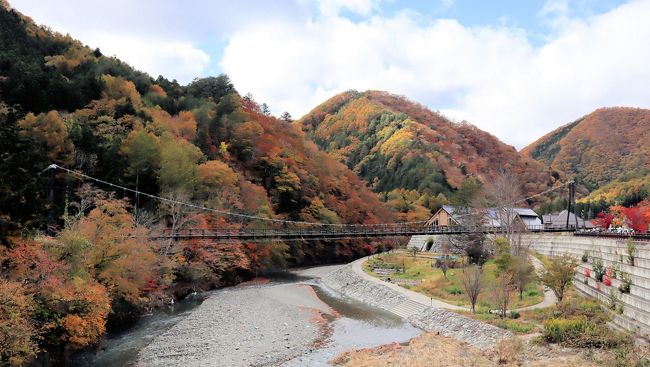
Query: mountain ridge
{"points": [[368, 129], [598, 148]]}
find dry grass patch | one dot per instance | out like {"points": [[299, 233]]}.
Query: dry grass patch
{"points": [[431, 350]]}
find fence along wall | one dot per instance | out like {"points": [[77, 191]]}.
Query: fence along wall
{"points": [[613, 252]]}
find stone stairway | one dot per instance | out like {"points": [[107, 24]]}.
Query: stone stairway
{"points": [[408, 308], [418, 241]]}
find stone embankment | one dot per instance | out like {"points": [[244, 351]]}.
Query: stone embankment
{"points": [[635, 305], [478, 334]]}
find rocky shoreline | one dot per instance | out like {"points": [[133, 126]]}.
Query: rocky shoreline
{"points": [[478, 334], [271, 324], [242, 326]]}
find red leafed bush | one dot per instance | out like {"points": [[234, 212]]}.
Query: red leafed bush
{"points": [[607, 281], [587, 273]]}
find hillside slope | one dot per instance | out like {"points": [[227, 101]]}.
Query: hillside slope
{"points": [[394, 143], [607, 145], [65, 103]]}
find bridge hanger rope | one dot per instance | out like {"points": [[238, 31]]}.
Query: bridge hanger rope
{"points": [[223, 212]]}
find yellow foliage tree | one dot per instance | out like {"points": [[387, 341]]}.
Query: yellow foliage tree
{"points": [[119, 88], [73, 57], [49, 129]]}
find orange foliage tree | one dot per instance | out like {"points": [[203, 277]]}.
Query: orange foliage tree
{"points": [[17, 330], [69, 309]]}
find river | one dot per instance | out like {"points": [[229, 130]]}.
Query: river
{"points": [[350, 324]]}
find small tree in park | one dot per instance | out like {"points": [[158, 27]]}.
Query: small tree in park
{"points": [[503, 286], [522, 273], [559, 274], [472, 280]]}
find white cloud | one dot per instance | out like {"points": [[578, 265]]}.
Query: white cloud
{"points": [[173, 59], [158, 37], [494, 77]]}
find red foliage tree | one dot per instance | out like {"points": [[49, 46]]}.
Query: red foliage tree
{"points": [[636, 218], [604, 220]]}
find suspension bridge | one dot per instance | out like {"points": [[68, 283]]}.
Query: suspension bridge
{"points": [[333, 233], [291, 230]]}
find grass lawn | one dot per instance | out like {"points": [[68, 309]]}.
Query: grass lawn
{"points": [[532, 320], [433, 283]]}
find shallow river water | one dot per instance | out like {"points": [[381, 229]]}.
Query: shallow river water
{"points": [[359, 326]]}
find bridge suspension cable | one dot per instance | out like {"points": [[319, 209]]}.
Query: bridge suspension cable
{"points": [[202, 208], [254, 217]]}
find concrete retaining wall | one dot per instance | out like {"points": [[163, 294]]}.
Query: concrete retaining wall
{"points": [[613, 252]]}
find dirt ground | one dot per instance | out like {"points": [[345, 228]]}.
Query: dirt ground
{"points": [[431, 349]]}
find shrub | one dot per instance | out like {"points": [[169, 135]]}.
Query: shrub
{"points": [[585, 257], [507, 351], [626, 282], [612, 300], [454, 290], [581, 307], [514, 314], [627, 356], [587, 272], [631, 250], [599, 270], [607, 281], [532, 293], [582, 333], [515, 326]]}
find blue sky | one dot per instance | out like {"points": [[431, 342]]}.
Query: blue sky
{"points": [[517, 69]]}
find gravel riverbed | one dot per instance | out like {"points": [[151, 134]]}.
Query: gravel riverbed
{"points": [[242, 326]]}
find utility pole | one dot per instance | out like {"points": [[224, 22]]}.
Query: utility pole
{"points": [[568, 207], [571, 203], [52, 180]]}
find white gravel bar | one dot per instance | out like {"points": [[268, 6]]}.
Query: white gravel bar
{"points": [[242, 326]]}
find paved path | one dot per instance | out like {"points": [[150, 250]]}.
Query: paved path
{"points": [[549, 297], [418, 301]]}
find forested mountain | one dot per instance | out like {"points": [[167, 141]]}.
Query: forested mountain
{"points": [[606, 151], [86, 111], [402, 148], [68, 266]]}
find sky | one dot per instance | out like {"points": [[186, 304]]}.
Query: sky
{"points": [[517, 69]]}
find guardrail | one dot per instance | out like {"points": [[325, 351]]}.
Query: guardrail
{"points": [[634, 236]]}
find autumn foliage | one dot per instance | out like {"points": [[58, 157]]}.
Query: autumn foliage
{"points": [[607, 145], [396, 144], [76, 262]]}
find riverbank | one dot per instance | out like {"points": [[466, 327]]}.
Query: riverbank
{"points": [[351, 281], [243, 326]]}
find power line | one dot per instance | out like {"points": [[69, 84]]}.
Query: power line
{"points": [[527, 198], [223, 212], [544, 192]]}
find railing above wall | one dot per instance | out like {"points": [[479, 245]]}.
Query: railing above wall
{"points": [[635, 236]]}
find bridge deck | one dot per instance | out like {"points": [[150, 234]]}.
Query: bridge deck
{"points": [[330, 232]]}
